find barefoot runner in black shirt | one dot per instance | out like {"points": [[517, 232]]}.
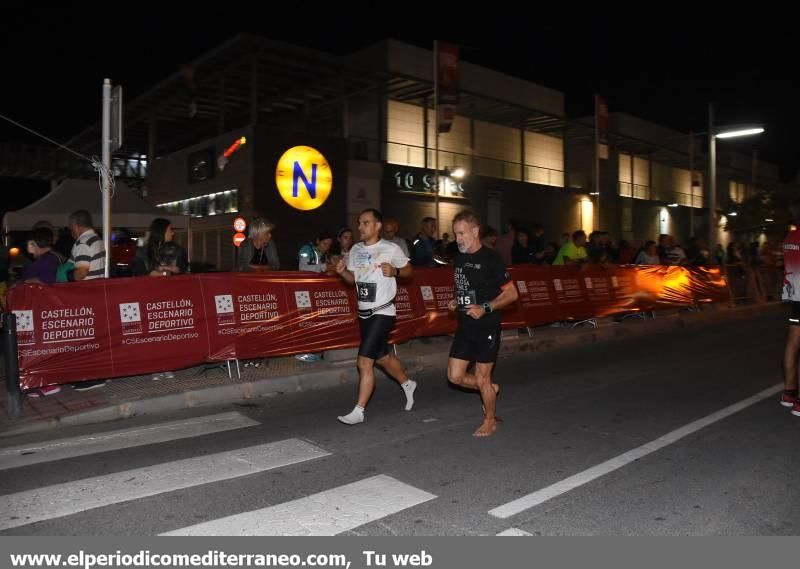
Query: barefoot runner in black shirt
{"points": [[482, 288]]}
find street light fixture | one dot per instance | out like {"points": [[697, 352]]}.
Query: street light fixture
{"points": [[740, 132], [713, 134]]}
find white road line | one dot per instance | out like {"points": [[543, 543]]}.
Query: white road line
{"points": [[548, 493]]}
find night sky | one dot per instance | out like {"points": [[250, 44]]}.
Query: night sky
{"points": [[663, 66]]}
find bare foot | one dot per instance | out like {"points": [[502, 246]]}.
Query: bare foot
{"points": [[487, 428]]}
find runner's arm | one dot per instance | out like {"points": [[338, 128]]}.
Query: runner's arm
{"points": [[344, 273], [400, 262], [508, 296], [389, 270]]}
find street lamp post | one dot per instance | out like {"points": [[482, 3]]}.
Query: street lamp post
{"points": [[713, 134], [712, 185]]}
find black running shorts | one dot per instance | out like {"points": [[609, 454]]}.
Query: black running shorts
{"points": [[476, 343], [375, 336]]}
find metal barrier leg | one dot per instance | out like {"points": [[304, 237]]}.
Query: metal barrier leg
{"points": [[229, 369], [238, 371], [13, 392]]}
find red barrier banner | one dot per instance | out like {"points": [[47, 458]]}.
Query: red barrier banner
{"points": [[246, 315], [282, 313], [578, 293], [325, 314], [436, 288], [537, 297], [155, 324], [547, 296], [62, 333], [109, 328], [659, 287], [411, 313]]}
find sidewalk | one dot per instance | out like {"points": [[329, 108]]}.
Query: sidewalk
{"points": [[207, 385]]}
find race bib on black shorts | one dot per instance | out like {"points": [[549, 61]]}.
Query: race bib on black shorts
{"points": [[366, 291]]}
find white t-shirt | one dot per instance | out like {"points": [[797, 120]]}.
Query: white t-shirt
{"points": [[372, 288], [400, 242]]}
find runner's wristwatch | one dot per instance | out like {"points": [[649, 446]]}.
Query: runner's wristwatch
{"points": [[487, 308]]}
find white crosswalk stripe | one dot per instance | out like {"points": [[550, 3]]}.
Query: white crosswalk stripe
{"points": [[59, 500], [514, 532], [329, 512], [324, 514], [47, 451]]}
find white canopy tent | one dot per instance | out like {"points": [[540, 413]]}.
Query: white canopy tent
{"points": [[127, 209]]}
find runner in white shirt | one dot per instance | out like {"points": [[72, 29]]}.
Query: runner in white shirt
{"points": [[373, 265]]}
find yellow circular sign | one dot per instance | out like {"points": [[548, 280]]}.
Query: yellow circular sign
{"points": [[304, 177]]}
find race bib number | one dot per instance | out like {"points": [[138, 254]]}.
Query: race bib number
{"points": [[366, 291], [466, 298]]}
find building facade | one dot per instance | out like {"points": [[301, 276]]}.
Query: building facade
{"points": [[510, 154]]}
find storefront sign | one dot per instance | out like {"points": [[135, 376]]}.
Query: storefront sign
{"points": [[424, 182], [304, 178]]}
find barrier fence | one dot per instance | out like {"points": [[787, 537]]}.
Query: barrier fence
{"points": [[131, 326]]}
